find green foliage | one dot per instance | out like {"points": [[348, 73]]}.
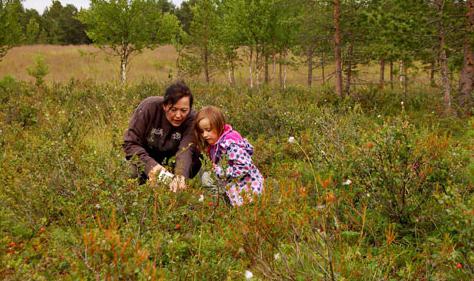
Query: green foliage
{"points": [[140, 23], [32, 31], [70, 212], [10, 29], [61, 25], [404, 172], [128, 27], [39, 70]]}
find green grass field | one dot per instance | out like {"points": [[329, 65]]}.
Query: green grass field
{"points": [[376, 186]]}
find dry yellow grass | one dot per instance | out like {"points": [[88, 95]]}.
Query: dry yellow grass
{"points": [[85, 62]]}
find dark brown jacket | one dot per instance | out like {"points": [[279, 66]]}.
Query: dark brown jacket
{"points": [[152, 138]]}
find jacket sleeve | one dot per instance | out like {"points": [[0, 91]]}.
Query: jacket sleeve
{"points": [[185, 153], [239, 163], [135, 137]]}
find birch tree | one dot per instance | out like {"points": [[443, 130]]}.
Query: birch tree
{"points": [[126, 27]]}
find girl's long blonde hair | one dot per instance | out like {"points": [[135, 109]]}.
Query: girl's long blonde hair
{"points": [[216, 120]]}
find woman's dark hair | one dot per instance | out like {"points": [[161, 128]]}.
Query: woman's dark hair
{"points": [[177, 91]]}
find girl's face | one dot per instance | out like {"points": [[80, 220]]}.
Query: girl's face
{"points": [[208, 133]]}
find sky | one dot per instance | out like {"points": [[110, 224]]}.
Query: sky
{"points": [[40, 5]]}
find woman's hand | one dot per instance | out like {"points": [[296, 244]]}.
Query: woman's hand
{"points": [[178, 183], [152, 175]]}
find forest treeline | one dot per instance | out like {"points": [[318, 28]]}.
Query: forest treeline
{"points": [[267, 36]]}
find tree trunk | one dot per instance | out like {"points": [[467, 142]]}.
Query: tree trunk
{"points": [[257, 66], [337, 46], [432, 73], [274, 62], [206, 65], [123, 70], [250, 67], [391, 75], [267, 73], [281, 70], [232, 73], [382, 74], [284, 74], [310, 66], [124, 55], [403, 79], [323, 68], [349, 70], [443, 60], [466, 81]]}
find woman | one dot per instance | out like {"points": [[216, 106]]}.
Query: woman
{"points": [[160, 128]]}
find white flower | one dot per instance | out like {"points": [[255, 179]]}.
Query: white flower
{"points": [[201, 198], [291, 140], [368, 194], [347, 182], [379, 116], [97, 206], [248, 274], [402, 103], [276, 256], [320, 207], [135, 203]]}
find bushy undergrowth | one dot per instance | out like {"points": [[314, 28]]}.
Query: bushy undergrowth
{"points": [[367, 189]]}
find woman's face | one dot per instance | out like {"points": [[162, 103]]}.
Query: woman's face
{"points": [[177, 113], [206, 131]]}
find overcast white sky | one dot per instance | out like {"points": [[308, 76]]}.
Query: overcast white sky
{"points": [[40, 5]]}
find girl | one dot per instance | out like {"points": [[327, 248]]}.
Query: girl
{"points": [[239, 175]]}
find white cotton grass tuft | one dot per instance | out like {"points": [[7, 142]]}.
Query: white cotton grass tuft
{"points": [[201, 198], [347, 182], [291, 139], [248, 275], [276, 256]]}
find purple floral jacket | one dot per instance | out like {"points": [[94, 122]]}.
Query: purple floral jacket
{"points": [[240, 176]]}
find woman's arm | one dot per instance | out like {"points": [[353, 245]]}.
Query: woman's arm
{"points": [[135, 137]]}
